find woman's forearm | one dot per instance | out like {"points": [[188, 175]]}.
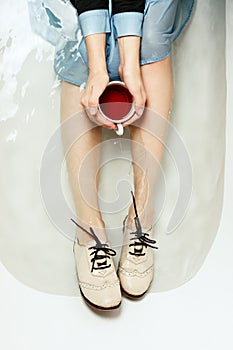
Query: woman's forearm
{"points": [[130, 72], [129, 52], [96, 52]]}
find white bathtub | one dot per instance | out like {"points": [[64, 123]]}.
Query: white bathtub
{"points": [[39, 295]]}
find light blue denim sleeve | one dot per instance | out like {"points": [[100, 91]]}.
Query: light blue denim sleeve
{"points": [[52, 19], [94, 21], [128, 23]]}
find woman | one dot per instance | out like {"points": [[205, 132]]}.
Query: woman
{"points": [[128, 40]]}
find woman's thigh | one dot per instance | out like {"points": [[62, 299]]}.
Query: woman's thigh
{"points": [[70, 100], [158, 83], [164, 21]]}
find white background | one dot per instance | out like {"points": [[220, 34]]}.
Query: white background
{"points": [[197, 315]]}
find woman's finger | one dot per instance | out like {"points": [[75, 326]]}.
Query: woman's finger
{"points": [[93, 99], [104, 121], [93, 102], [100, 120], [131, 120], [139, 97]]}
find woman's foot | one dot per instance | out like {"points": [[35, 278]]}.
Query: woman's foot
{"points": [[98, 281], [136, 264]]}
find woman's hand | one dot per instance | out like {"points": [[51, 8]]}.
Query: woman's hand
{"points": [[97, 79], [132, 79], [96, 84], [130, 73]]}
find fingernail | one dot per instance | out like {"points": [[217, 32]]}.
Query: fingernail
{"points": [[140, 111], [93, 110]]}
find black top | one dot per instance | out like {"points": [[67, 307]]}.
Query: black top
{"points": [[117, 5]]}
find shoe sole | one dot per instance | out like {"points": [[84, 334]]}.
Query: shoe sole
{"points": [[132, 296], [97, 307]]}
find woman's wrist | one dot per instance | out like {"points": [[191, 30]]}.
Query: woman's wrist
{"points": [[98, 71]]}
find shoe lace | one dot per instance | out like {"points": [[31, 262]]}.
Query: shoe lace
{"points": [[141, 239], [101, 251]]}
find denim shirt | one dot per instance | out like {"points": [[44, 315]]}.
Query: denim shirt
{"points": [[51, 19], [58, 22]]}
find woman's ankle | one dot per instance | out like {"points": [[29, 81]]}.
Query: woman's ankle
{"points": [[83, 232], [145, 215]]}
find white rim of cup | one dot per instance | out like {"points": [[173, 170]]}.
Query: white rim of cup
{"points": [[128, 116]]}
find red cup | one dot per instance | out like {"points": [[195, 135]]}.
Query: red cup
{"points": [[116, 104]]}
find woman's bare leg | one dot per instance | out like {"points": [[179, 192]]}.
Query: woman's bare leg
{"points": [[88, 212], [158, 84]]}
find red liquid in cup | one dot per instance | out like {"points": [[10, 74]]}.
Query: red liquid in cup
{"points": [[116, 102]]}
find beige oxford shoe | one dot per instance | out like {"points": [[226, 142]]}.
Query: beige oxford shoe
{"points": [[136, 263], [98, 281]]}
